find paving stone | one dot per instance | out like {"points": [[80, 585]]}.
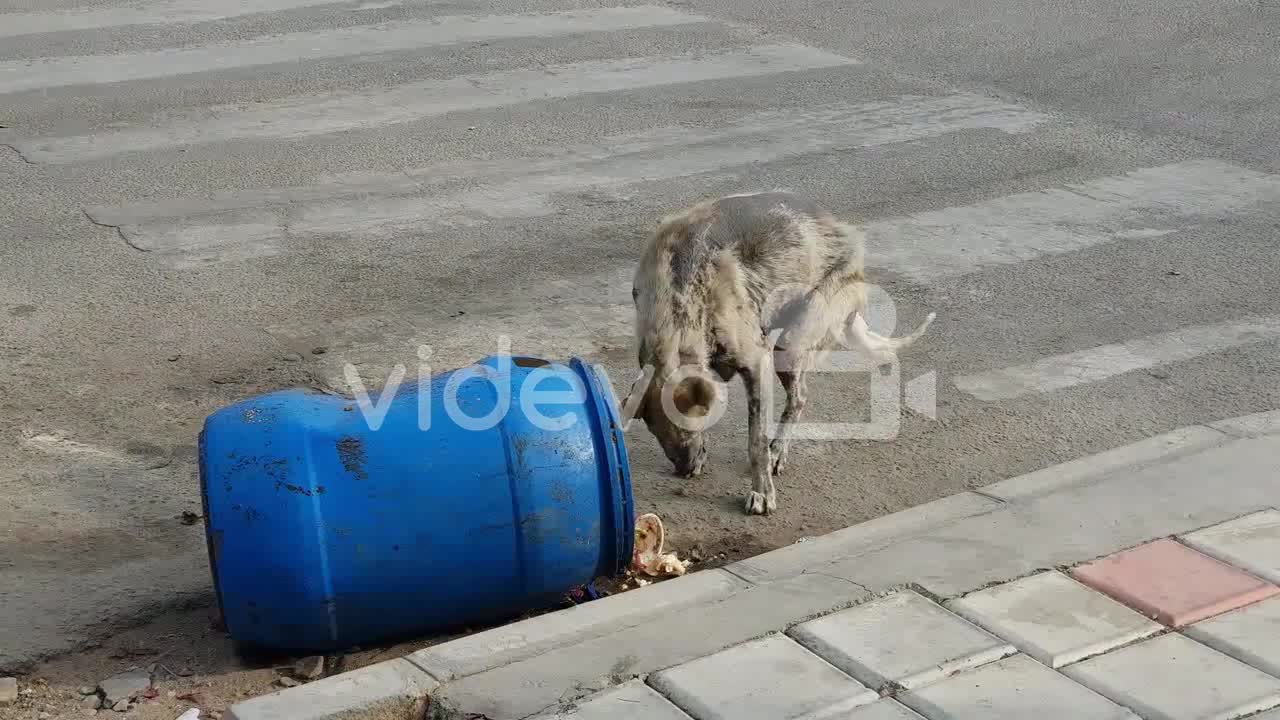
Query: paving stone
{"points": [[1250, 635], [1053, 618], [1015, 688], [1263, 423], [902, 638], [528, 638], [1172, 677], [798, 557], [630, 701], [773, 678], [528, 687], [1251, 542], [385, 683], [1173, 583], [886, 709]]}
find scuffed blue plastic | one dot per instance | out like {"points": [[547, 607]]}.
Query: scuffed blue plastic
{"points": [[325, 533]]}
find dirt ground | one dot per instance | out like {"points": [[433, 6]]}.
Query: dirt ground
{"points": [[194, 663]]}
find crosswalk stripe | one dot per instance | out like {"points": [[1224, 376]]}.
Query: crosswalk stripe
{"points": [[244, 239], [406, 103], [1100, 363], [1145, 203], [35, 74], [522, 188], [155, 13], [880, 122]]}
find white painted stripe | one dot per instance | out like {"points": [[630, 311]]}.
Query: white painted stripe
{"points": [[24, 75], [370, 205], [885, 122], [838, 125], [155, 13], [407, 103], [245, 238], [1101, 363], [1141, 204]]}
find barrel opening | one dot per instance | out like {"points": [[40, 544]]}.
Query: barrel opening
{"points": [[529, 362]]}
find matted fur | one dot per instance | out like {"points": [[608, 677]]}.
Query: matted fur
{"points": [[747, 285]]}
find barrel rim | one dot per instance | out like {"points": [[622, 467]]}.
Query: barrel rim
{"points": [[210, 543], [615, 453]]}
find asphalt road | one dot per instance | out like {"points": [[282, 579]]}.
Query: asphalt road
{"points": [[196, 195]]}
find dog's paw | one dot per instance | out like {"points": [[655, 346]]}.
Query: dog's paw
{"points": [[760, 504]]}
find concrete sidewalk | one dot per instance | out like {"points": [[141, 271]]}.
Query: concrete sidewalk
{"points": [[1141, 582]]}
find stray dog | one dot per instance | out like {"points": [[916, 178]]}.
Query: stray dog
{"points": [[747, 285]]}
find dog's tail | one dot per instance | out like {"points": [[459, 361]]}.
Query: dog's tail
{"points": [[883, 349]]}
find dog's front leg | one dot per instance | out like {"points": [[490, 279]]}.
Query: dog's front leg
{"points": [[763, 498]]}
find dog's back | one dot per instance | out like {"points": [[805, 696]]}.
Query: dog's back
{"points": [[728, 256], [757, 242]]}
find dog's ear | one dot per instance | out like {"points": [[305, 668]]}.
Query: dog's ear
{"points": [[694, 396]]}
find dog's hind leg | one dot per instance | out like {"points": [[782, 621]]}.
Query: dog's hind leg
{"points": [[755, 374], [792, 366], [822, 313], [793, 381]]}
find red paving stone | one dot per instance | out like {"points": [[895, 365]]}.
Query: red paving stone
{"points": [[1173, 583]]}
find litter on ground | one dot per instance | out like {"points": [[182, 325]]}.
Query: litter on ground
{"points": [[647, 561], [648, 557]]}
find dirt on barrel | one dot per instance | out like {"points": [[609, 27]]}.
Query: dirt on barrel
{"points": [[351, 455]]}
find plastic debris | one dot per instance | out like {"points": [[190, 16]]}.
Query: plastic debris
{"points": [[192, 714], [648, 556], [584, 593], [309, 668]]}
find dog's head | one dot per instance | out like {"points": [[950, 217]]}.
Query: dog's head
{"points": [[676, 407]]}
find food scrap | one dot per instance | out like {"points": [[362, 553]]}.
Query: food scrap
{"points": [[647, 561], [648, 557]]}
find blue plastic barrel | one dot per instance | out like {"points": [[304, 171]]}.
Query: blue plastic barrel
{"points": [[327, 529]]}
